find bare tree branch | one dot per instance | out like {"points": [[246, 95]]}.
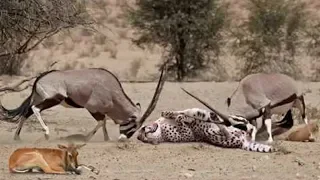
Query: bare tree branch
{"points": [[26, 24], [16, 87]]}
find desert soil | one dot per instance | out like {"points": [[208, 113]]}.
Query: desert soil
{"points": [[135, 160], [112, 49]]}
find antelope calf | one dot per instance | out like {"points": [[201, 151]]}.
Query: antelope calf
{"points": [[48, 160], [304, 133]]}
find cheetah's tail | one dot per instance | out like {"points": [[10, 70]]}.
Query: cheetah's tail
{"points": [[258, 147]]}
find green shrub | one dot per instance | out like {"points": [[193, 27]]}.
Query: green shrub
{"points": [[189, 31], [271, 38]]}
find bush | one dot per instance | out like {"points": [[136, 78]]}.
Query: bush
{"points": [[270, 39], [189, 31], [313, 48], [25, 24]]}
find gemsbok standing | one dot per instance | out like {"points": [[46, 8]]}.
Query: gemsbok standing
{"points": [[95, 89], [262, 95]]}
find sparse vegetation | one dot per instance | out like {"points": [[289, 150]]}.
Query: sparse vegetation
{"points": [[25, 24], [313, 47], [269, 41], [189, 31], [268, 36]]}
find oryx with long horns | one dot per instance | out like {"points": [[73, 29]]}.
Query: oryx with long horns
{"points": [[262, 95], [95, 89]]}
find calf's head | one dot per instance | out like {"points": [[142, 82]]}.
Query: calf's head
{"points": [[71, 156]]}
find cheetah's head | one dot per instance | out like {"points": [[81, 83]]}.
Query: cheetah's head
{"points": [[150, 133]]}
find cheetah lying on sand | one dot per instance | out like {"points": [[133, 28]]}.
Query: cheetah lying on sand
{"points": [[198, 125]]}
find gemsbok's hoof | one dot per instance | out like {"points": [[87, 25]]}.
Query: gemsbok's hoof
{"points": [[269, 141], [123, 138], [46, 136], [17, 138]]}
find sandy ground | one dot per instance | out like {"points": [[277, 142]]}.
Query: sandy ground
{"points": [[112, 49], [135, 160]]}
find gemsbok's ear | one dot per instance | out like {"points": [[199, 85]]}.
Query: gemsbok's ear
{"points": [[80, 146], [138, 105], [62, 146]]}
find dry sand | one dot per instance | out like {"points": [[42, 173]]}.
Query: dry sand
{"points": [[135, 160], [113, 49]]}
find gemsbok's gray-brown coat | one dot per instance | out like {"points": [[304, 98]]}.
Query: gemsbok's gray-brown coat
{"points": [[261, 95], [95, 89]]}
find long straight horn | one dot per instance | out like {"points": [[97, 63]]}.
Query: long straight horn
{"points": [[223, 116], [156, 95]]}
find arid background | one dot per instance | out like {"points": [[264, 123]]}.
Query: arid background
{"points": [[112, 49]]}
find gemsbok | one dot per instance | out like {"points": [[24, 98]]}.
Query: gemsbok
{"points": [[262, 95], [95, 89], [48, 160]]}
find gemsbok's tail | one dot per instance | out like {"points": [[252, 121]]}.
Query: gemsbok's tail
{"points": [[13, 115], [24, 110]]}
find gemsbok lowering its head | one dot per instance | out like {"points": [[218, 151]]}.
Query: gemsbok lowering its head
{"points": [[261, 95], [95, 89]]}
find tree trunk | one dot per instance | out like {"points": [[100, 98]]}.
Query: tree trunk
{"points": [[180, 59]]}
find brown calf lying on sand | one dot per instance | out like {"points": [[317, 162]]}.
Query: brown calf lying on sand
{"points": [[48, 160], [304, 133]]}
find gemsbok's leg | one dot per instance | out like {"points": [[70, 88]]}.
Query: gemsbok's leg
{"points": [[47, 169], [101, 122], [46, 104], [303, 110], [21, 122], [268, 122], [36, 112], [104, 129]]}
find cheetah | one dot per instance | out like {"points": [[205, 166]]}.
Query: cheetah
{"points": [[198, 125]]}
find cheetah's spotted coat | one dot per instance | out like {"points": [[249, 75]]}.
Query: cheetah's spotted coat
{"points": [[198, 125]]}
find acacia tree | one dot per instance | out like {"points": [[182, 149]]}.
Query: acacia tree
{"points": [[25, 24], [189, 31], [271, 38]]}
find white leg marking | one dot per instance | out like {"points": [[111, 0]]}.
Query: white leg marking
{"points": [[36, 112], [122, 137], [305, 120], [253, 133], [268, 122]]}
